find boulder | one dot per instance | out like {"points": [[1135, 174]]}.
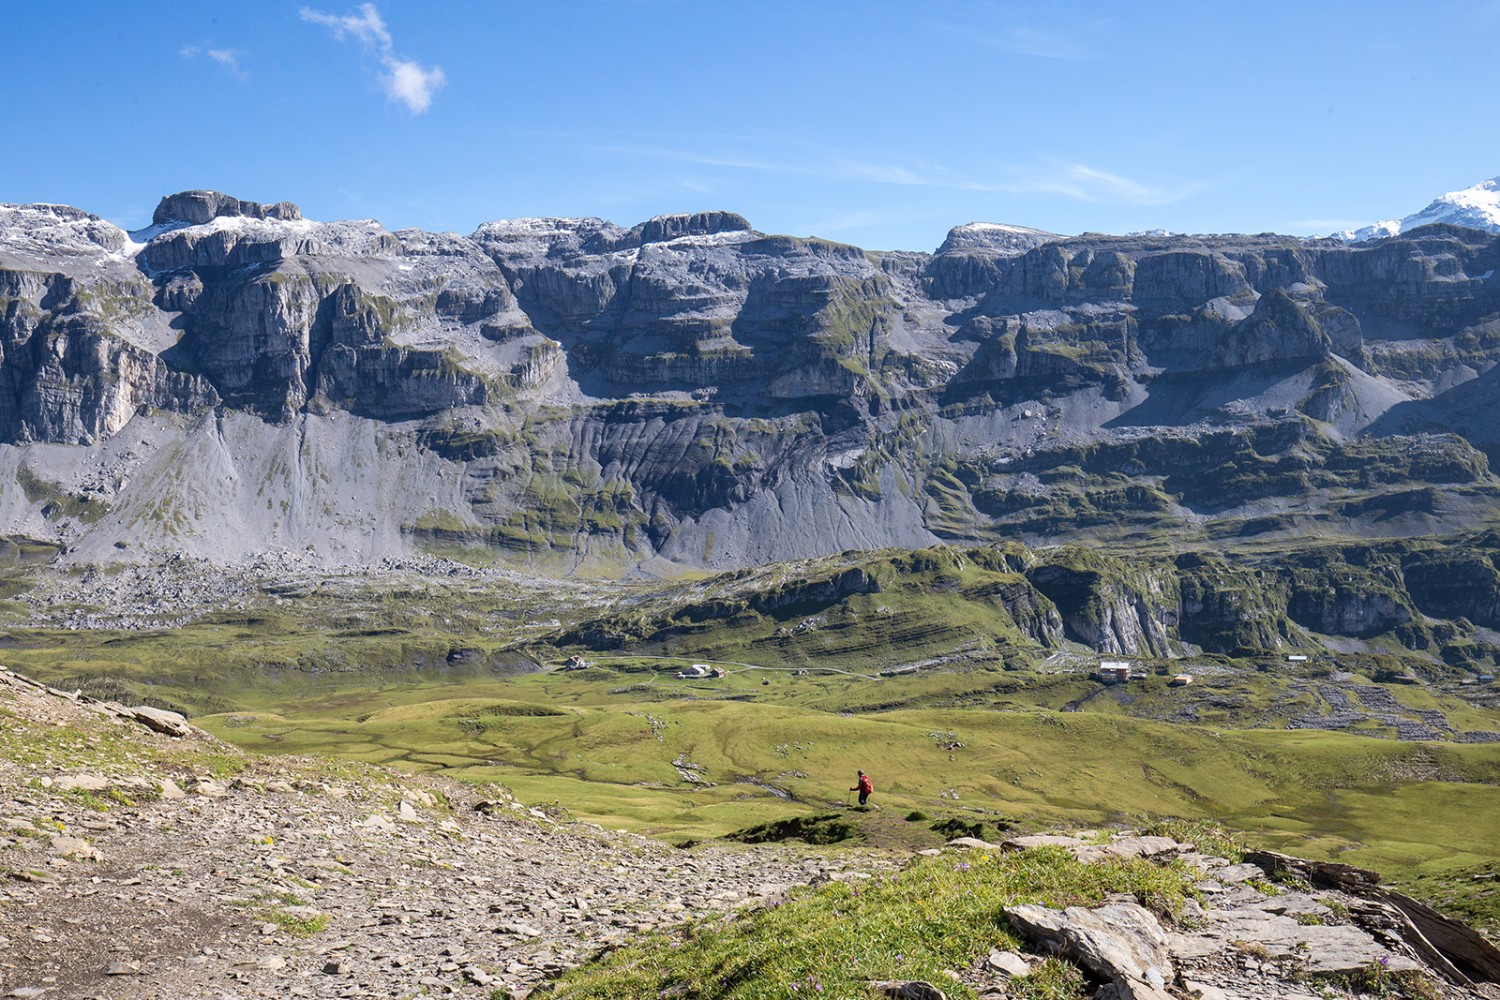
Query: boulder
{"points": [[1120, 939], [162, 721]]}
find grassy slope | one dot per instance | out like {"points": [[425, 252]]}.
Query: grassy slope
{"points": [[1325, 794]]}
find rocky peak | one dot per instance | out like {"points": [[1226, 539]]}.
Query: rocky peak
{"points": [[670, 227], [198, 207], [995, 236], [1475, 207]]}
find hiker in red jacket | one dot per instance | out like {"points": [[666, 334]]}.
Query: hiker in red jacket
{"points": [[864, 788]]}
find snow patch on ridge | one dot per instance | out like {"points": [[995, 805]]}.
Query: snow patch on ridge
{"points": [[1476, 207]]}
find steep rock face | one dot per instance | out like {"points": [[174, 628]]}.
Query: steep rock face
{"points": [[1340, 598], [1108, 609], [1456, 584], [65, 375], [1225, 609], [1035, 616], [693, 303]]}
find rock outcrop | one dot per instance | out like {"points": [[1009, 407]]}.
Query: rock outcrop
{"points": [[197, 207]]}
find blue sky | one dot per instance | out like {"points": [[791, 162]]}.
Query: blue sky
{"points": [[876, 123]]}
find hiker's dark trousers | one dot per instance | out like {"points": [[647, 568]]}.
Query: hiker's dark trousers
{"points": [[863, 796]]}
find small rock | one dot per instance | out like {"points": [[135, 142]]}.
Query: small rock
{"points": [[518, 929], [973, 844], [407, 814], [171, 791], [1008, 963], [74, 847], [122, 968], [337, 968], [211, 789], [271, 963]]}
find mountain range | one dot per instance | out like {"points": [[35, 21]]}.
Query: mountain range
{"points": [[570, 394]]}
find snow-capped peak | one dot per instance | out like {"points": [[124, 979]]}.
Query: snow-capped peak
{"points": [[1476, 207]]}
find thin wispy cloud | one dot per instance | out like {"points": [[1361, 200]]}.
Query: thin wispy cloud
{"points": [[404, 80], [229, 59], [1077, 181], [1041, 44], [1022, 40], [1082, 182]]}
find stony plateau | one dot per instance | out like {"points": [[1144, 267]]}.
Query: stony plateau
{"points": [[237, 380]]}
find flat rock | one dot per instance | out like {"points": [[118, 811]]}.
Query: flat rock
{"points": [[973, 844], [81, 782], [1239, 873], [1120, 939], [1325, 949], [1007, 963], [1143, 847], [74, 847]]}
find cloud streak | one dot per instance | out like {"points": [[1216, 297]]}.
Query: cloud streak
{"points": [[229, 59], [1082, 182], [1024, 41], [404, 80], [1077, 181]]}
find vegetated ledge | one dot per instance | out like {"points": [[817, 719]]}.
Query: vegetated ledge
{"points": [[1122, 915]]}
